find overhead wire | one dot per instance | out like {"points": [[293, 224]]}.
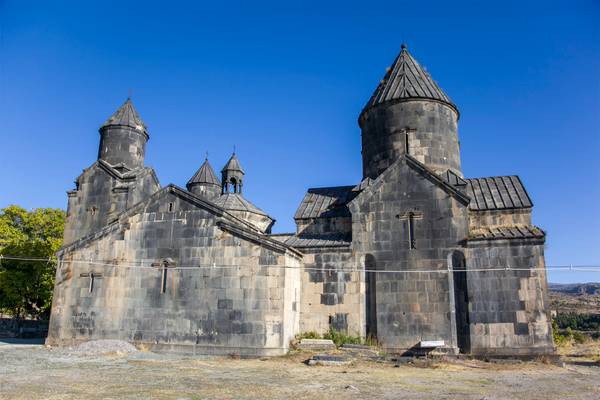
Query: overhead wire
{"points": [[139, 265]]}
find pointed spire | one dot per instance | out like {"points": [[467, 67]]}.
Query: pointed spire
{"points": [[204, 176], [126, 115], [233, 164], [406, 79]]}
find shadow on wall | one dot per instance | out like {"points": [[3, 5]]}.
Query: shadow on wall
{"points": [[461, 301], [371, 295]]}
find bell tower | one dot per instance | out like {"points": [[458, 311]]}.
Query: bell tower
{"points": [[232, 176], [409, 114]]}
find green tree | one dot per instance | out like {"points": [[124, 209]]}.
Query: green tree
{"points": [[26, 286]]}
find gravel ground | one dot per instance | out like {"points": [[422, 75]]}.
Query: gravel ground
{"points": [[99, 347], [37, 372]]}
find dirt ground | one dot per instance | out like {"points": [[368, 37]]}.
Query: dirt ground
{"points": [[37, 372]]}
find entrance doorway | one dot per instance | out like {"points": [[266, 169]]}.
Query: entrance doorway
{"points": [[461, 302], [371, 295]]}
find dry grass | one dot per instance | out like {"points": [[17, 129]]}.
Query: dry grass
{"points": [[585, 352], [40, 373]]}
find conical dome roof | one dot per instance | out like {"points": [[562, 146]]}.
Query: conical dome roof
{"points": [[406, 79], [126, 115], [235, 202], [233, 165], [205, 175]]}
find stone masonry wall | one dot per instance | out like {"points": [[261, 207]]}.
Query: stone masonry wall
{"points": [[411, 306], [122, 145], [100, 197], [494, 218], [508, 308], [332, 293], [230, 297], [432, 133], [320, 226]]}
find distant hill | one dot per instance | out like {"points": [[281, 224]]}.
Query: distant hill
{"points": [[592, 288], [579, 298]]}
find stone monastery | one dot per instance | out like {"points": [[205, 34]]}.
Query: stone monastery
{"points": [[415, 255]]}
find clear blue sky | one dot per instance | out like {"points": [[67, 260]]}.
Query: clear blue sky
{"points": [[285, 83]]}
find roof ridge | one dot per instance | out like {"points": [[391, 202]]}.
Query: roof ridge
{"points": [[332, 187], [493, 176]]}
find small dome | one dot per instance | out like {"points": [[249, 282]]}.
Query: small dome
{"points": [[235, 202], [241, 208], [204, 176]]}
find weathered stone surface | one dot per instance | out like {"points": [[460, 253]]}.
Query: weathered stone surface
{"points": [[224, 293], [429, 129], [316, 344], [411, 254]]}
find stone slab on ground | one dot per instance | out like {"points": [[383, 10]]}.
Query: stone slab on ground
{"points": [[316, 344], [329, 360], [360, 350]]}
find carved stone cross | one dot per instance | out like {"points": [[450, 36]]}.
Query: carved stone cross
{"points": [[410, 217], [164, 265], [93, 276]]}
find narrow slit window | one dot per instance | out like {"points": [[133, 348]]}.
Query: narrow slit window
{"points": [[411, 231], [163, 281], [406, 142], [170, 207]]}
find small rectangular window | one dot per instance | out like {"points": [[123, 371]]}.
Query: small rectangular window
{"points": [[170, 207], [411, 231], [163, 282]]}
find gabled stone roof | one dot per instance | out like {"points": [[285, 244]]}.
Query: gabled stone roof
{"points": [[233, 165], [225, 220], [125, 175], [326, 202], [406, 79], [126, 115], [205, 175], [235, 202], [507, 232], [325, 240], [417, 166], [497, 193]]}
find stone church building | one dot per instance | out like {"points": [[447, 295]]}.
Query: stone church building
{"points": [[414, 253]]}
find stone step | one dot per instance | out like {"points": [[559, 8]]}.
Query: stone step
{"points": [[316, 344]]}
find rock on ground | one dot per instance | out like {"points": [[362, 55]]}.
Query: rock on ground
{"points": [[95, 347]]}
